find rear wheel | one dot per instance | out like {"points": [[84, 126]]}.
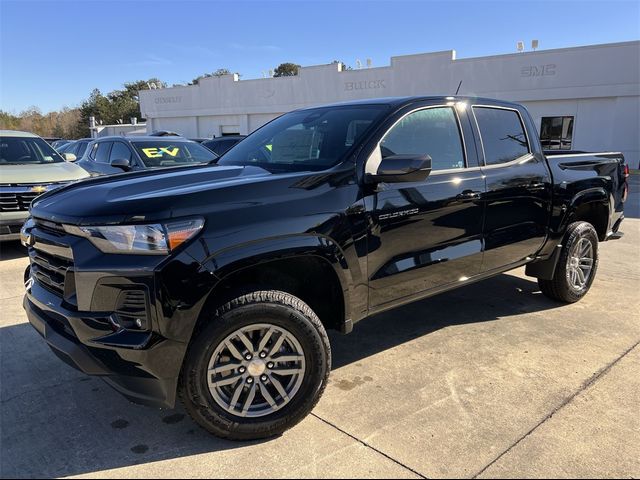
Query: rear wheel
{"points": [[577, 265], [258, 368]]}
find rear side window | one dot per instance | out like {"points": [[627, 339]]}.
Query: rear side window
{"points": [[101, 154], [433, 132], [502, 133]]}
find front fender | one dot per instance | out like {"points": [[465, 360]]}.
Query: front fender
{"points": [[233, 259]]}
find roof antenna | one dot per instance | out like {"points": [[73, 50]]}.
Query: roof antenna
{"points": [[459, 85]]}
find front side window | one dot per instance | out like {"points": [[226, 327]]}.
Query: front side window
{"points": [[433, 132], [556, 133], [305, 140], [119, 151], [102, 152], [502, 133], [27, 151], [167, 153]]}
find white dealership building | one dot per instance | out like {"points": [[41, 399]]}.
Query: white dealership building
{"points": [[582, 98]]}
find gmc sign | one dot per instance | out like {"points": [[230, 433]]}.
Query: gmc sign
{"points": [[538, 70]]}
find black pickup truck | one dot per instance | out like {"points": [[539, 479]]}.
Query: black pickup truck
{"points": [[217, 283]]}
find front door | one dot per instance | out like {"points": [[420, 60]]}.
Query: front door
{"points": [[425, 235]]}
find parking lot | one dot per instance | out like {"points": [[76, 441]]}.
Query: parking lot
{"points": [[493, 380]]}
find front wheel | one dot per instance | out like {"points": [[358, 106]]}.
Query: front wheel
{"points": [[576, 268], [258, 367]]}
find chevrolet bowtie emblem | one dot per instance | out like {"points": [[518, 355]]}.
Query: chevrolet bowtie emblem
{"points": [[39, 189]]}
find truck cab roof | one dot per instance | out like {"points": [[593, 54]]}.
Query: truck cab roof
{"points": [[403, 101]]}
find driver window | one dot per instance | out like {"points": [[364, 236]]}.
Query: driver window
{"points": [[432, 131], [119, 151]]}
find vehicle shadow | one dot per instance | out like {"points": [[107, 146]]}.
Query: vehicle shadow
{"points": [[492, 299], [12, 250], [55, 421]]}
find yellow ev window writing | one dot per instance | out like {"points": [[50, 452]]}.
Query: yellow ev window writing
{"points": [[160, 152]]}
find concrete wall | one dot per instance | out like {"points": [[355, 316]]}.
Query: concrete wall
{"points": [[121, 129], [599, 85]]}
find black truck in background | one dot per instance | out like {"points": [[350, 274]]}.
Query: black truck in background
{"points": [[217, 283]]}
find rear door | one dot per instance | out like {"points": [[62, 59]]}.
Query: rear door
{"points": [[519, 186], [425, 235]]}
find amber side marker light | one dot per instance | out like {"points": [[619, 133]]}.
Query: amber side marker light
{"points": [[180, 232]]}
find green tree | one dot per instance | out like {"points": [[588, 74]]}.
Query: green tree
{"points": [[218, 73], [286, 70], [118, 106]]}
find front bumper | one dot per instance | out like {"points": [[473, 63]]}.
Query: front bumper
{"points": [[87, 304], [10, 228], [139, 365]]}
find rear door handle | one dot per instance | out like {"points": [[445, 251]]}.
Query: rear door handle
{"points": [[468, 195]]}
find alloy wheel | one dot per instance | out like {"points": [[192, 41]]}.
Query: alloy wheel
{"points": [[256, 370], [580, 264]]}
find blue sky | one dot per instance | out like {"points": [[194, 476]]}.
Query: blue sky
{"points": [[53, 53]]}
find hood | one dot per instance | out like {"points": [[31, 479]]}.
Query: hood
{"points": [[143, 196], [41, 173]]}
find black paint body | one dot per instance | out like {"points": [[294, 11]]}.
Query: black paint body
{"points": [[388, 244]]}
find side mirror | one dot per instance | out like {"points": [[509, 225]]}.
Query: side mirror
{"points": [[122, 163], [69, 157], [402, 168]]}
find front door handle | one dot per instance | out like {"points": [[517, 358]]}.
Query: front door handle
{"points": [[536, 186], [468, 195]]}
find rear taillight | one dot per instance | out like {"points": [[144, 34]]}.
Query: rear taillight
{"points": [[626, 171]]}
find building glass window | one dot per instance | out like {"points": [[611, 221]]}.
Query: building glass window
{"points": [[556, 133]]}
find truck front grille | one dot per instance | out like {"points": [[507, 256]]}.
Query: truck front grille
{"points": [[49, 270], [16, 202]]}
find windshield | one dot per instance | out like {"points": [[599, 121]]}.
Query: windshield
{"points": [[305, 140], [165, 153], [27, 151]]}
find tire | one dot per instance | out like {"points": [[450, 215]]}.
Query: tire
{"points": [[562, 287], [221, 409]]}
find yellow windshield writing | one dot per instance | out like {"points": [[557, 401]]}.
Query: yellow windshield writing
{"points": [[159, 152]]}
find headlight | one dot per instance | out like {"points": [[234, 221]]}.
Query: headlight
{"points": [[149, 239]]}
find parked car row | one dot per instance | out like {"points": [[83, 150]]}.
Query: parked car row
{"points": [[217, 145], [76, 147], [30, 166]]}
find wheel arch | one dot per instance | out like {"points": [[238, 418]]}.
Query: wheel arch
{"points": [[311, 267], [592, 206]]}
